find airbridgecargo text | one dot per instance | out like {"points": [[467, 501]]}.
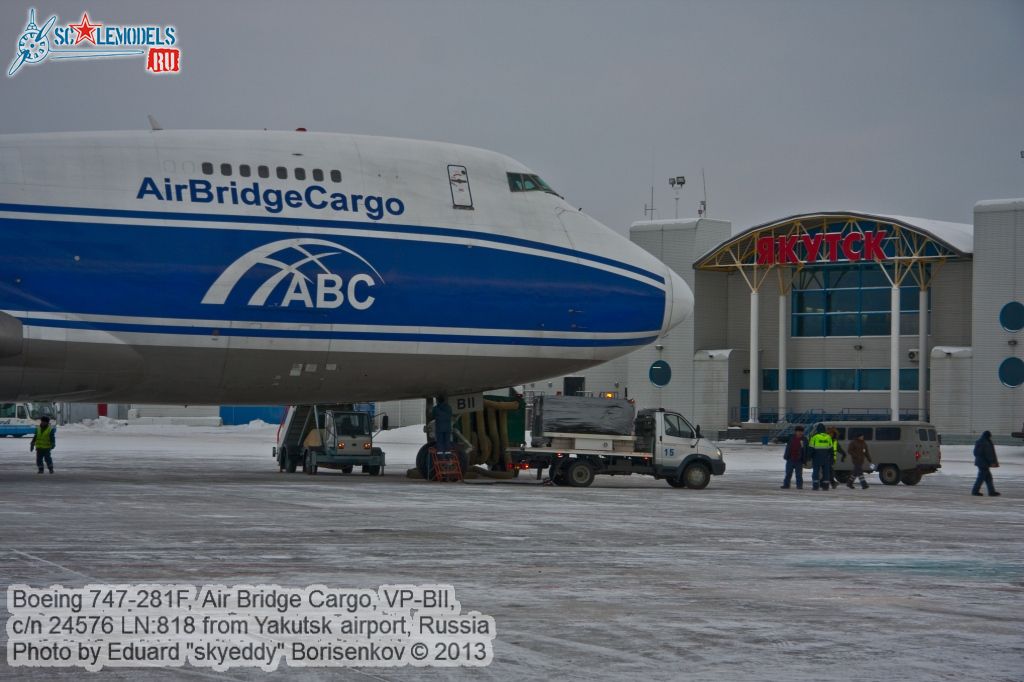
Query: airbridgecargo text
{"points": [[253, 626], [272, 200]]}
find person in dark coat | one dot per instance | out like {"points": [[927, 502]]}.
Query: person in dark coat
{"points": [[796, 449], [858, 451], [985, 459]]}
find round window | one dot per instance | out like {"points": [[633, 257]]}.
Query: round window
{"points": [[660, 373], [1011, 317], [1011, 372]]}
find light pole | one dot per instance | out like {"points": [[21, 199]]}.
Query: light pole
{"points": [[677, 184]]}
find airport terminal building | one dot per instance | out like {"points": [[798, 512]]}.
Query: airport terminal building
{"points": [[832, 315]]}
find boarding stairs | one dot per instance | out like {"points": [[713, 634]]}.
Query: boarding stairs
{"points": [[293, 426]]}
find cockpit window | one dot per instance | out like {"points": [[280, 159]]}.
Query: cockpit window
{"points": [[526, 182]]}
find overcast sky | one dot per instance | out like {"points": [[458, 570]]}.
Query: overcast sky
{"points": [[898, 106]]}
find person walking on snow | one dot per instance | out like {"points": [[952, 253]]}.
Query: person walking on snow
{"points": [[43, 442], [858, 451], [984, 459], [794, 456]]}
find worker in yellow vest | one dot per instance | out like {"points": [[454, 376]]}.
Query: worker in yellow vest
{"points": [[43, 442], [823, 449]]}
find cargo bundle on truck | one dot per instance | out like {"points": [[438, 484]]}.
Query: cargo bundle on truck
{"points": [[578, 438]]}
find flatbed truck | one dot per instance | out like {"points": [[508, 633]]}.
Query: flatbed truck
{"points": [[663, 445]]}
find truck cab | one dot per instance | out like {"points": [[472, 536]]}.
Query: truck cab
{"points": [[681, 454]]}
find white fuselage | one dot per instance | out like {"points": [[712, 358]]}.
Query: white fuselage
{"points": [[268, 267]]}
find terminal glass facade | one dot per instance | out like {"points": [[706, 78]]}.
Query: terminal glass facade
{"points": [[849, 301]]}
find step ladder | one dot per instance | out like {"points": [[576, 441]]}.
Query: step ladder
{"points": [[446, 465]]}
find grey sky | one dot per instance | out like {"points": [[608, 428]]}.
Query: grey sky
{"points": [[901, 106]]}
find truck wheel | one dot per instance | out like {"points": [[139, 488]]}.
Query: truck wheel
{"points": [[346, 469], [676, 482], [889, 474], [579, 474], [911, 478], [291, 463], [697, 476], [373, 470], [282, 459]]}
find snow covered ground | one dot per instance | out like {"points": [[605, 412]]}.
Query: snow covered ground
{"points": [[627, 579]]}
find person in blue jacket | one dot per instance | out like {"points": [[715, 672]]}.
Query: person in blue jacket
{"points": [[985, 459], [442, 414]]}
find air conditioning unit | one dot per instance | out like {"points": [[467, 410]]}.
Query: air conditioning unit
{"points": [[912, 355]]}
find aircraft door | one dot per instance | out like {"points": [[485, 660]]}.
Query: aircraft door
{"points": [[458, 181]]}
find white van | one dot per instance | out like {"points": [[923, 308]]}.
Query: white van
{"points": [[20, 419], [900, 451]]}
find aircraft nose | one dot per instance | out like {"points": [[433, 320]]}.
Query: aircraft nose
{"points": [[678, 300]]}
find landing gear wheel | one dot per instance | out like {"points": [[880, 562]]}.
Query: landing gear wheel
{"points": [[697, 476], [579, 474], [346, 469], [426, 465], [911, 477], [889, 474]]}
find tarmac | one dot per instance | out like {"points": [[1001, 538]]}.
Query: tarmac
{"points": [[627, 579]]}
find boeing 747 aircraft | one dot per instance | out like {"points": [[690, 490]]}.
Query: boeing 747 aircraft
{"points": [[208, 267]]}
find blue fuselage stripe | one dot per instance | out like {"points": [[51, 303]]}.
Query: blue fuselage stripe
{"points": [[343, 224], [337, 335]]}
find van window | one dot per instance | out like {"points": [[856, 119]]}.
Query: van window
{"points": [[887, 433], [932, 436], [6, 410], [840, 432], [22, 412], [865, 431]]}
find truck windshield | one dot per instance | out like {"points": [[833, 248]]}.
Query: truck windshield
{"points": [[352, 423]]}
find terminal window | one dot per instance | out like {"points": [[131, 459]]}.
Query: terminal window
{"points": [[838, 379], [849, 301]]}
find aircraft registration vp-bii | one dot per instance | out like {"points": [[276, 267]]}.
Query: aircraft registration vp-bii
{"points": [[210, 267]]}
